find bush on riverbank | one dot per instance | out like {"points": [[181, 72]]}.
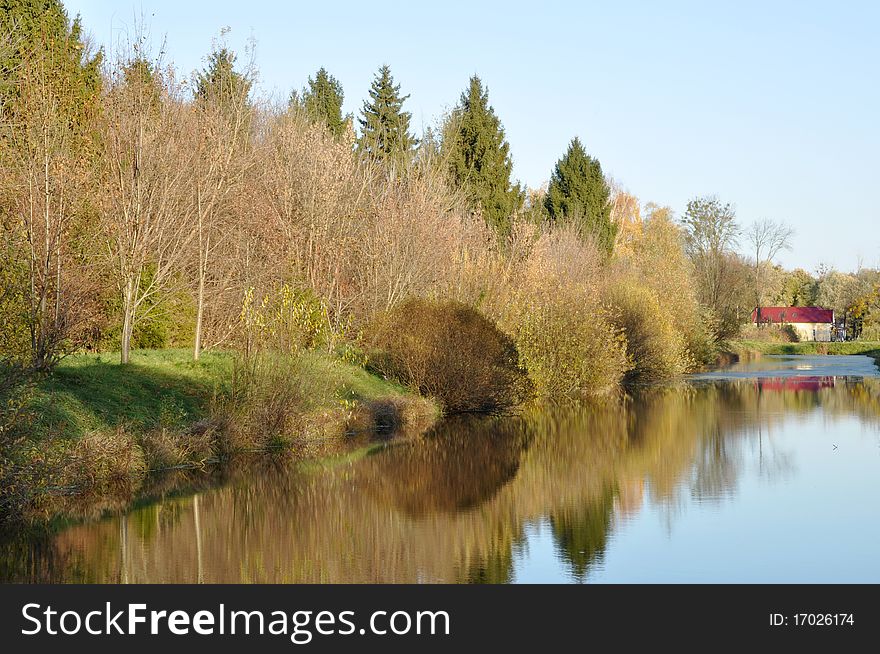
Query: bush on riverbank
{"points": [[552, 304], [769, 334], [655, 349], [449, 351]]}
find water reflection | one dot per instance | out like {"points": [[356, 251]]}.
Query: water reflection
{"points": [[702, 482]]}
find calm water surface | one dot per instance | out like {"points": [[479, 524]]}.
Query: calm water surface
{"points": [[768, 471]]}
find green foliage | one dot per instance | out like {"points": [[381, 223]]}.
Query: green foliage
{"points": [[42, 26], [385, 135], [289, 319], [164, 319], [579, 195], [322, 102], [722, 277], [219, 83], [570, 349], [868, 348], [800, 289], [656, 350], [451, 352], [479, 158]]}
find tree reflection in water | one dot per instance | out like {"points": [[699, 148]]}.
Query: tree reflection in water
{"points": [[455, 505]]}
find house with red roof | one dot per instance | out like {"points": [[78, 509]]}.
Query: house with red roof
{"points": [[810, 323]]}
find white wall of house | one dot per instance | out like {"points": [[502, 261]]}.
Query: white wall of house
{"points": [[812, 331]]}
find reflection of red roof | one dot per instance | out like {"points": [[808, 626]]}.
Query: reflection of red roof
{"points": [[806, 383], [793, 314]]}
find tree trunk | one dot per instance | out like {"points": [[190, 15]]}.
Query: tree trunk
{"points": [[200, 309], [127, 321]]}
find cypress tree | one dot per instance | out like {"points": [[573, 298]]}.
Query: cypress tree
{"points": [[479, 157], [322, 101], [579, 195], [384, 125]]}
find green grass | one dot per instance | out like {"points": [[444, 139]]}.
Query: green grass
{"points": [[99, 428], [846, 347], [94, 392], [166, 388], [332, 381]]}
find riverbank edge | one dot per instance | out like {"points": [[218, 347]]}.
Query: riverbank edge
{"points": [[733, 351], [97, 433]]}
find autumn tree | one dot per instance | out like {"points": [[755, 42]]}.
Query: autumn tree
{"points": [[840, 291], [711, 234], [220, 130], [625, 215], [479, 158], [148, 166], [579, 195], [385, 135], [47, 155], [799, 289]]}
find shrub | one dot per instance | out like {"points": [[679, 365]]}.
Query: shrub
{"points": [[449, 351], [551, 306], [262, 409], [655, 261], [870, 333], [655, 349], [770, 334], [101, 460], [569, 348]]}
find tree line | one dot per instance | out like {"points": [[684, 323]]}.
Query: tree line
{"points": [[145, 209]]}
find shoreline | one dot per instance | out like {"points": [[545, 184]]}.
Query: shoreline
{"points": [[734, 350], [97, 436]]}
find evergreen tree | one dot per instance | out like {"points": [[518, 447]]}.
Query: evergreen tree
{"points": [[579, 195], [41, 28], [220, 82], [322, 102], [385, 132], [479, 157]]}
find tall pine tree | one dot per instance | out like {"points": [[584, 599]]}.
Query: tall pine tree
{"points": [[579, 195], [479, 157], [385, 134], [322, 101]]}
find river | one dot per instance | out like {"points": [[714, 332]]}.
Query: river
{"points": [[768, 471]]}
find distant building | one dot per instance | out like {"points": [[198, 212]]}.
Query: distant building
{"points": [[810, 323]]}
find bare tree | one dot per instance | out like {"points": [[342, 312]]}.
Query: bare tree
{"points": [[47, 180], [222, 127], [148, 165], [767, 239]]}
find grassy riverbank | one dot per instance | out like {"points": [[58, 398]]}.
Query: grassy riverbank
{"points": [[95, 427], [751, 348]]}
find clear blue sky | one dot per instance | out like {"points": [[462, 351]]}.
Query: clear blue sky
{"points": [[774, 106]]}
